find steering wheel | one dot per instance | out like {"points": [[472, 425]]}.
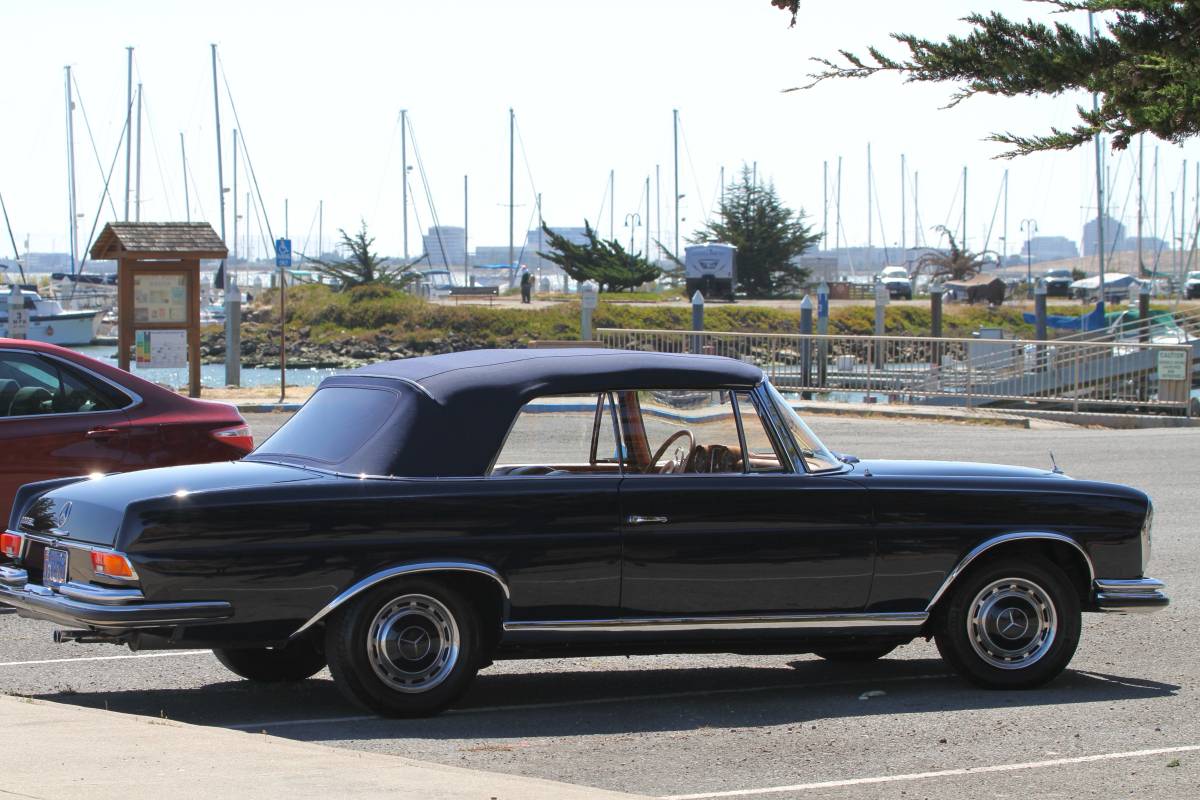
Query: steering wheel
{"points": [[662, 448]]}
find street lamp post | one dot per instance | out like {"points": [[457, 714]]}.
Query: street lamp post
{"points": [[1030, 227], [632, 221]]}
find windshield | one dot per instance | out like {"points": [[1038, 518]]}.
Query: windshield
{"points": [[816, 457], [1058, 273]]}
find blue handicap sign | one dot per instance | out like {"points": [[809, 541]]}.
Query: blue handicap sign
{"points": [[822, 305], [283, 252]]}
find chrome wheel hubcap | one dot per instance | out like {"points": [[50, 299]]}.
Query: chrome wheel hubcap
{"points": [[1012, 623], [413, 643]]}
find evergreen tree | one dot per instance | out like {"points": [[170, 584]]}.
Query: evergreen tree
{"points": [[1145, 68], [361, 266], [767, 235], [604, 261]]}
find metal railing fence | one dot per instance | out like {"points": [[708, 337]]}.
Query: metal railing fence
{"points": [[1110, 376]]}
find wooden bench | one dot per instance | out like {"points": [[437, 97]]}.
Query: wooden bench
{"points": [[490, 292]]}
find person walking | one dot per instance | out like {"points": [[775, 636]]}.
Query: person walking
{"points": [[526, 286]]}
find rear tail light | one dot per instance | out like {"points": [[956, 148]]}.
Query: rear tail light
{"points": [[238, 436], [112, 565], [10, 544]]}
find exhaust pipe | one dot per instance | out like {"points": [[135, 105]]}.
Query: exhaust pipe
{"points": [[90, 637]]}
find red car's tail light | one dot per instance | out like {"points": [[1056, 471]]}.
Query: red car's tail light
{"points": [[112, 565], [10, 544], [238, 436]]}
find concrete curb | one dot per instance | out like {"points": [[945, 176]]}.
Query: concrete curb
{"points": [[63, 751]]}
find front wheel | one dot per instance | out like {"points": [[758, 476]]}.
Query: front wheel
{"points": [[294, 662], [405, 649], [1011, 624]]}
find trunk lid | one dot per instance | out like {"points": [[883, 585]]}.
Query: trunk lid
{"points": [[91, 511]]}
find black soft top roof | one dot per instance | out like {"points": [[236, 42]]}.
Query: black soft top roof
{"points": [[454, 411]]}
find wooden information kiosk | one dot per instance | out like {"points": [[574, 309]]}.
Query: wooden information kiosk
{"points": [[158, 290]]}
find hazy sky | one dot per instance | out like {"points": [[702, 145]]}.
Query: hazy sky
{"points": [[318, 87]]}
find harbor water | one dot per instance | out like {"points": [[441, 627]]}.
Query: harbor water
{"points": [[211, 375]]}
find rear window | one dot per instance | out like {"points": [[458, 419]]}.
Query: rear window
{"points": [[333, 425]]}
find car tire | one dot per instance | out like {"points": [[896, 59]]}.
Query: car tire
{"points": [[1010, 624], [405, 649], [297, 661], [856, 655]]}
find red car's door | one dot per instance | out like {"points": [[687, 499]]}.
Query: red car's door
{"points": [[55, 421]]}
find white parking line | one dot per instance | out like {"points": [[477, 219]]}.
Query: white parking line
{"points": [[597, 701], [945, 773], [165, 654]]}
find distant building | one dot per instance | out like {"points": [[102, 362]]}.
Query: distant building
{"points": [[47, 262], [1050, 248], [820, 267], [1114, 233], [446, 246]]}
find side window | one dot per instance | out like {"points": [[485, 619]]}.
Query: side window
{"points": [[561, 435], [32, 385], [761, 453], [686, 431]]}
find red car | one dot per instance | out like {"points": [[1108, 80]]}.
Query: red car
{"points": [[64, 414]]}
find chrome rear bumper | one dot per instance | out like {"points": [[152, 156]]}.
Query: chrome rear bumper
{"points": [[99, 607], [1125, 596]]}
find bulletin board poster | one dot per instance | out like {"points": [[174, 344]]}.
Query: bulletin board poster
{"points": [[159, 298], [161, 349]]}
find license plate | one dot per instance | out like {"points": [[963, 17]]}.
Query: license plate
{"points": [[54, 570]]}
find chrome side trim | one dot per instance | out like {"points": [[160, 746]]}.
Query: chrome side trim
{"points": [[907, 619], [1006, 538], [99, 594], [398, 571]]}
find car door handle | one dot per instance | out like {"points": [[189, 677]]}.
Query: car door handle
{"points": [[103, 433], [637, 519]]}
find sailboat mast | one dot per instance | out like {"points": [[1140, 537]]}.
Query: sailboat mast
{"points": [[320, 228], [137, 189], [187, 200], [1182, 223], [220, 164], [1140, 205], [963, 238], [512, 127], [675, 202], [404, 174], [73, 229], [129, 122], [235, 204], [1099, 174]]}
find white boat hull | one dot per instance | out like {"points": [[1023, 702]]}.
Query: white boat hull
{"points": [[70, 329]]}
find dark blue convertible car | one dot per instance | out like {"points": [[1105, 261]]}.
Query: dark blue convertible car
{"points": [[417, 519]]}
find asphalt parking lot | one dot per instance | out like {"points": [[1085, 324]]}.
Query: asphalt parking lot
{"points": [[1123, 721]]}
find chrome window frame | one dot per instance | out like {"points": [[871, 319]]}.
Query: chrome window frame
{"points": [[134, 398]]}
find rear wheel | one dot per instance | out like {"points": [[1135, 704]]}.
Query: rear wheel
{"points": [[1011, 624], [856, 654], [405, 649], [295, 662]]}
